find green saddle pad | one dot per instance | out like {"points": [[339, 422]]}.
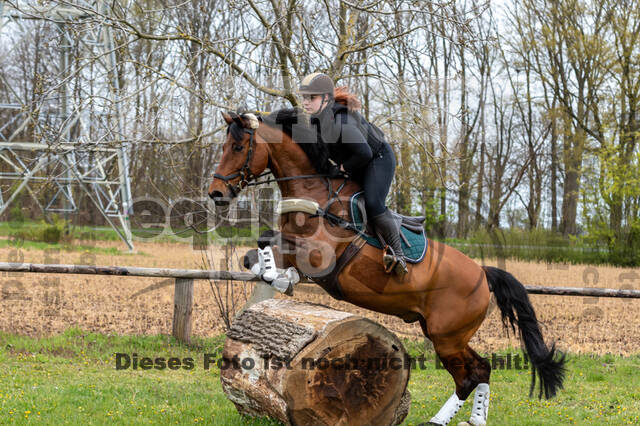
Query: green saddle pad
{"points": [[414, 252]]}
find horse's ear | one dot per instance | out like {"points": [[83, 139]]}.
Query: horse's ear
{"points": [[227, 118]]}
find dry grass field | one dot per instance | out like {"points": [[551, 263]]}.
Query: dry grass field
{"points": [[37, 305]]}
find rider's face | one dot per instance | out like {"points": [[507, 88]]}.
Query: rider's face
{"points": [[313, 104]]}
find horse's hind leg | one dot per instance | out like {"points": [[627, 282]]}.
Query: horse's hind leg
{"points": [[469, 371], [479, 376]]}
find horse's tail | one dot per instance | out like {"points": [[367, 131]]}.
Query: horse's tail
{"points": [[513, 299]]}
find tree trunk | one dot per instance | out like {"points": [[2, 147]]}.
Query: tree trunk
{"points": [[463, 160], [335, 368], [554, 171], [480, 188]]}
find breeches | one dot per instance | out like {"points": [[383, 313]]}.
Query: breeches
{"points": [[376, 180]]}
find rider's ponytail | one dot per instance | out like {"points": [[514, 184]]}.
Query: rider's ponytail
{"points": [[343, 96]]}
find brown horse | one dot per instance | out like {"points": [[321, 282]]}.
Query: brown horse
{"points": [[447, 292]]}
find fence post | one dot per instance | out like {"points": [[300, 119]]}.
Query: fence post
{"points": [[182, 309]]}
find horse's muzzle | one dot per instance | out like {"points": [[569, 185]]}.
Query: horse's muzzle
{"points": [[219, 199]]}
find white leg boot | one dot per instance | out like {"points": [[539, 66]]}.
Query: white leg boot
{"points": [[480, 407], [265, 268], [270, 273], [448, 410]]}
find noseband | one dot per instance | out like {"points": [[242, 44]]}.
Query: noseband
{"points": [[245, 172]]}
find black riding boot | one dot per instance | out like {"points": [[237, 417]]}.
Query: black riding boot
{"points": [[388, 227]]}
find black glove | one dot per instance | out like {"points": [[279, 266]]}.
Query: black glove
{"points": [[335, 172]]}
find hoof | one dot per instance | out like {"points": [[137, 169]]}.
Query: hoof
{"points": [[289, 291], [250, 259]]}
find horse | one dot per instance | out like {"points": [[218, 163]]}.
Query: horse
{"points": [[447, 292]]}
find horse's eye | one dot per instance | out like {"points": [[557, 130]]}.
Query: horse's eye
{"points": [[238, 148]]}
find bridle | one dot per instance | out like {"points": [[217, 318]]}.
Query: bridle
{"points": [[247, 176], [245, 173]]}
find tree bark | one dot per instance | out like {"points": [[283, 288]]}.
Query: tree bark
{"points": [[335, 368]]}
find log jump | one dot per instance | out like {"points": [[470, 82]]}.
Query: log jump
{"points": [[304, 363]]}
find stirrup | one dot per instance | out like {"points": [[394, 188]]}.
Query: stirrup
{"points": [[393, 263]]}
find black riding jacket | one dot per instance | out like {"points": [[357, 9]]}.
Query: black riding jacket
{"points": [[352, 141]]}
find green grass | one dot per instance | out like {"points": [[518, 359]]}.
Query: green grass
{"points": [[539, 245], [71, 378], [40, 245], [30, 233], [81, 232]]}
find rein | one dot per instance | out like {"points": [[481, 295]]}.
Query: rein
{"points": [[247, 177]]}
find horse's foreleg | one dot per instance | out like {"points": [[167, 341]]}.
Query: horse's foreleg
{"points": [[268, 263], [278, 245], [469, 371], [267, 238]]}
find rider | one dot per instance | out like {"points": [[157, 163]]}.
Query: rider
{"points": [[358, 149]]}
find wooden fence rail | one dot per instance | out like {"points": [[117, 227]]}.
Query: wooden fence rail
{"points": [[183, 296], [584, 291]]}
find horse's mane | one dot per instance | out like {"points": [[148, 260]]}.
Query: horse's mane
{"points": [[295, 123]]}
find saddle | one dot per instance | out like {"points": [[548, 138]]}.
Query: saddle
{"points": [[412, 223], [414, 240]]}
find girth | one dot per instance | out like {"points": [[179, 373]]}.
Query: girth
{"points": [[330, 282]]}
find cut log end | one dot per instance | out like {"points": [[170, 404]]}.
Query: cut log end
{"points": [[325, 368]]}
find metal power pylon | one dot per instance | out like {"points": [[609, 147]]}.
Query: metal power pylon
{"points": [[76, 143]]}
